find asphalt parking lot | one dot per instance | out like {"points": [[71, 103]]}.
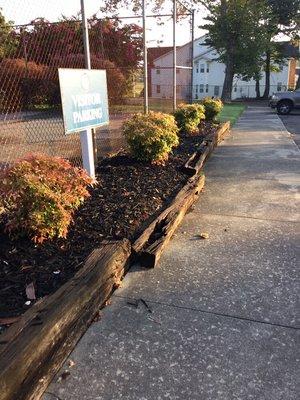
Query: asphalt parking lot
{"points": [[292, 124]]}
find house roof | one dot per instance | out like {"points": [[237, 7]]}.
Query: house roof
{"points": [[170, 50], [159, 52], [156, 52]]}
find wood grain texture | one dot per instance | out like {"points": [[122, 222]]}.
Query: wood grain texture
{"points": [[33, 349], [197, 160], [159, 233]]}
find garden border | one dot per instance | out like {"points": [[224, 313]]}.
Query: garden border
{"points": [[150, 244], [34, 348]]}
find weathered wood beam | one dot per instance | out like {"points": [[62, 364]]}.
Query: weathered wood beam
{"points": [[196, 161], [34, 348], [156, 237]]}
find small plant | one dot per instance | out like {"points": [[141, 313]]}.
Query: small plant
{"points": [[213, 107], [39, 194], [151, 136], [188, 117]]}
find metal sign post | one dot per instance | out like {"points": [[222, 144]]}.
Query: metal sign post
{"points": [[86, 136], [174, 55], [192, 55], [146, 105], [85, 106]]}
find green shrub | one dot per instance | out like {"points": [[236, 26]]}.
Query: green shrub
{"points": [[213, 107], [188, 117], [151, 137], [39, 194]]}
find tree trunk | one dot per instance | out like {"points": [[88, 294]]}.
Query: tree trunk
{"points": [[257, 88], [298, 82], [228, 80], [267, 73]]}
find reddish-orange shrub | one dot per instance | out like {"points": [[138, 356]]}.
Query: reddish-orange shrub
{"points": [[27, 85], [116, 81], [23, 85], [39, 194]]}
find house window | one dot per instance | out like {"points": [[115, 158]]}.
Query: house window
{"points": [[197, 67], [158, 71], [207, 67], [235, 88], [216, 90], [279, 86], [197, 88], [157, 88], [201, 88], [206, 89], [202, 68]]}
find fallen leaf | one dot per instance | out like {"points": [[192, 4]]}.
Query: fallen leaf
{"points": [[30, 291], [203, 235], [71, 363]]}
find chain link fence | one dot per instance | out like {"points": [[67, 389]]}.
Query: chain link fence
{"points": [[38, 37], [36, 40], [239, 91]]}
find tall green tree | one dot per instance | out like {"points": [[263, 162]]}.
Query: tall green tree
{"points": [[282, 17], [8, 39], [243, 32], [235, 30]]}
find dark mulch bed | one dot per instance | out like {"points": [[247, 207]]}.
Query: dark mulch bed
{"points": [[128, 196]]}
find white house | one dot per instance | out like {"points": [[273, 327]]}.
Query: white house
{"points": [[162, 74], [209, 74]]}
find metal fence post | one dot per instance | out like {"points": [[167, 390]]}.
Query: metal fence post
{"points": [[174, 54], [192, 54], [86, 42], [86, 137], [146, 100]]}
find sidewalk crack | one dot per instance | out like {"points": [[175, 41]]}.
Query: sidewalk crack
{"points": [[219, 314], [244, 216]]}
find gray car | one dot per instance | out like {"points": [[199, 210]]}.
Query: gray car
{"points": [[285, 102]]}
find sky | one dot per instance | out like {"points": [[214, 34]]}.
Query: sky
{"points": [[24, 11]]}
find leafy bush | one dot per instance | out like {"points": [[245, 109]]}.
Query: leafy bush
{"points": [[188, 117], [26, 85], [151, 137], [13, 74], [213, 107], [116, 80], [39, 194]]}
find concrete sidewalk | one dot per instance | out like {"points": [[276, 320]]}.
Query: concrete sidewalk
{"points": [[224, 322]]}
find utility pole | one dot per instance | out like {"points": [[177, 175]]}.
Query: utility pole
{"points": [[146, 102]]}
